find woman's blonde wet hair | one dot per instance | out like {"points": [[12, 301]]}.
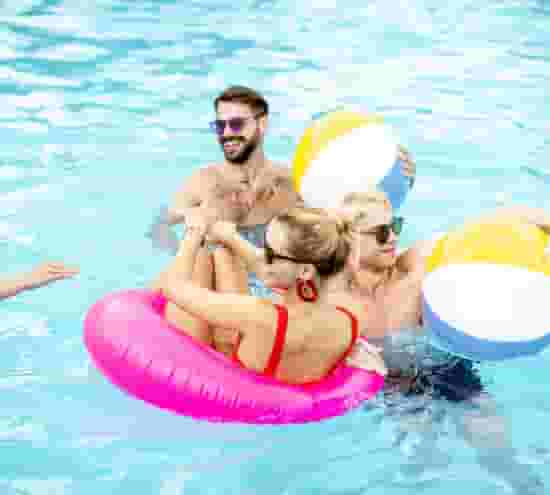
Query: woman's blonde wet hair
{"points": [[356, 205], [316, 237]]}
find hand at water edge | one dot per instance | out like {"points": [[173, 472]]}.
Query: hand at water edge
{"points": [[48, 272], [368, 357], [409, 165]]}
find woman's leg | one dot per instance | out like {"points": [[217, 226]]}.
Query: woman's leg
{"points": [[230, 275], [203, 276]]}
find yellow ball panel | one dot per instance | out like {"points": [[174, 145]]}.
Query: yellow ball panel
{"points": [[507, 242], [321, 133]]}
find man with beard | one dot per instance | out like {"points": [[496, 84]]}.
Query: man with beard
{"points": [[246, 188]]}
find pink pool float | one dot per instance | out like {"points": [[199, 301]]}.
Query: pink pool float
{"points": [[141, 353]]}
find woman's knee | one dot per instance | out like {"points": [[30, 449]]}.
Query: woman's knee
{"points": [[229, 272], [203, 271], [222, 255]]}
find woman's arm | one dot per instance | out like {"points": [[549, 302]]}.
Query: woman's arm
{"points": [[12, 287], [187, 254], [536, 216], [226, 233], [226, 310], [183, 264], [412, 258], [41, 275]]}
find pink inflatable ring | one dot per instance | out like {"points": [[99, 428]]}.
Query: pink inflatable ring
{"points": [[140, 352]]}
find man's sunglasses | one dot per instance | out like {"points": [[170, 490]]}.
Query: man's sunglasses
{"points": [[382, 232], [236, 124]]}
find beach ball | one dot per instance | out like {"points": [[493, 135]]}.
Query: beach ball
{"points": [[486, 292], [347, 151]]}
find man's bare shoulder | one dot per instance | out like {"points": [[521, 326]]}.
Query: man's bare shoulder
{"points": [[280, 168], [208, 171], [202, 178], [196, 186], [279, 174], [280, 177], [412, 260]]}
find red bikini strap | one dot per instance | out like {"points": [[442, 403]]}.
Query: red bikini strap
{"points": [[280, 336], [354, 330]]}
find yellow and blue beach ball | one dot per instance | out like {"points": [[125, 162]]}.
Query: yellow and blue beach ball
{"points": [[346, 151], [486, 292]]}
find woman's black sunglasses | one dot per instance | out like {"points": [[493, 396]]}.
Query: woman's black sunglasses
{"points": [[324, 267], [382, 232], [236, 124], [271, 255]]}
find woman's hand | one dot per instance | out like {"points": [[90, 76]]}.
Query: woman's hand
{"points": [[222, 232], [409, 166], [199, 220], [368, 357], [528, 214], [45, 273]]}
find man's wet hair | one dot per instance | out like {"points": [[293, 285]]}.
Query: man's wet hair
{"points": [[246, 96]]}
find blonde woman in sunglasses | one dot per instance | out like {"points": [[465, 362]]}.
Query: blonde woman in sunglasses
{"points": [[391, 280], [388, 280], [301, 338], [389, 283]]}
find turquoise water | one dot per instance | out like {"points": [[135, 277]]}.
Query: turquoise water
{"points": [[104, 113]]}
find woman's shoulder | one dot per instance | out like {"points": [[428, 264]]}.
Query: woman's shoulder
{"points": [[349, 304], [323, 328], [344, 298], [413, 259]]}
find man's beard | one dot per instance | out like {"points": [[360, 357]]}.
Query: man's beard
{"points": [[245, 153]]}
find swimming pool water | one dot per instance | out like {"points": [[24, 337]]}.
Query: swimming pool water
{"points": [[105, 110]]}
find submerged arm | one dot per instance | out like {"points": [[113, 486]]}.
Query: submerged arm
{"points": [[187, 200], [191, 196]]}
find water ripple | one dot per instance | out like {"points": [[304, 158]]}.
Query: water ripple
{"points": [[105, 111]]}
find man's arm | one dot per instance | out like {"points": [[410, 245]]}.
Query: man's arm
{"points": [[276, 188], [190, 196]]}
